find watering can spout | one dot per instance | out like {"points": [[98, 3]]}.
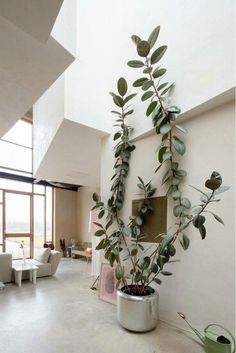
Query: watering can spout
{"points": [[199, 335]]}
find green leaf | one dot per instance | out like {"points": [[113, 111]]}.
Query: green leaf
{"points": [[161, 153], [158, 54], [128, 98], [151, 107], [99, 233], [135, 63], [122, 86], [101, 245], [140, 82], [198, 221], [181, 173], [136, 39], [95, 197], [153, 36], [185, 202], [181, 128], [101, 214], [139, 220], [118, 101], [157, 280], [154, 268], [127, 231], [222, 189], [117, 135], [118, 272], [178, 145], [176, 194], [145, 262], [164, 129], [158, 72], [177, 210], [163, 85], [167, 89], [143, 48], [148, 70], [147, 95], [129, 112], [202, 231], [171, 250], [167, 155], [165, 242], [147, 85], [173, 109], [98, 224], [185, 242]]}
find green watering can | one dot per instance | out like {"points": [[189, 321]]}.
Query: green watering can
{"points": [[213, 343]]}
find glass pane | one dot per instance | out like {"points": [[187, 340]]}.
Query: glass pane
{"points": [[16, 157], [39, 189], [17, 213], [38, 222], [15, 172], [13, 247], [20, 133], [15, 185], [0, 248], [48, 213], [0, 224]]}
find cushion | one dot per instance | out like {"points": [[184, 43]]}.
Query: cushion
{"points": [[43, 255]]}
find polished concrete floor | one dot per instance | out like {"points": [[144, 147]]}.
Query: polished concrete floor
{"points": [[61, 314]]}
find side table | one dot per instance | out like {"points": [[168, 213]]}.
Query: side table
{"points": [[18, 269]]}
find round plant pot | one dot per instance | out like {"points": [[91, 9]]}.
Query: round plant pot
{"points": [[137, 313]]}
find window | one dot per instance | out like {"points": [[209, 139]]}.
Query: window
{"points": [[26, 209], [16, 149]]}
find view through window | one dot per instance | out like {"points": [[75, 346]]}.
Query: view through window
{"points": [[26, 209]]}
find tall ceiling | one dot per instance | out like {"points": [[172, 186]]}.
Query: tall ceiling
{"points": [[31, 60]]}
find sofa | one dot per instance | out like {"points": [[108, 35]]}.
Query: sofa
{"points": [[45, 268]]}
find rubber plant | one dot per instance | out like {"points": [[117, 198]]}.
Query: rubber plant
{"points": [[122, 241]]}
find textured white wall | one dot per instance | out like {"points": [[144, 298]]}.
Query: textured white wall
{"points": [[203, 283]]}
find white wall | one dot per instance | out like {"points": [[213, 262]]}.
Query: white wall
{"points": [[48, 114], [203, 283], [84, 205], [65, 27], [200, 56]]}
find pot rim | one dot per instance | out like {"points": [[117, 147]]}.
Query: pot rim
{"points": [[137, 297]]}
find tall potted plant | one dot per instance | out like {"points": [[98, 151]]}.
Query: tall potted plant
{"points": [[135, 267]]}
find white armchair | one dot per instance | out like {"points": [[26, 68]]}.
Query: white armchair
{"points": [[5, 267]]}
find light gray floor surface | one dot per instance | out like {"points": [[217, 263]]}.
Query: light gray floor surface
{"points": [[61, 314]]}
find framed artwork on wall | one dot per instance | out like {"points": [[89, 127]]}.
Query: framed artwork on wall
{"points": [[156, 222], [108, 283]]}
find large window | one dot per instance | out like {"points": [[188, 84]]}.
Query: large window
{"points": [[26, 209]]}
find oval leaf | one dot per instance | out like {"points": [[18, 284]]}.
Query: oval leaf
{"points": [[140, 82], [153, 36], [135, 63], [150, 108], [158, 54], [158, 73], [122, 86], [147, 95], [143, 48]]}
